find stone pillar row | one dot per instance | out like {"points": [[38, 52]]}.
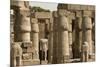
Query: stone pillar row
{"points": [[83, 47], [60, 37]]}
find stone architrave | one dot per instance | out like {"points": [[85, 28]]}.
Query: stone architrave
{"points": [[63, 42], [87, 33], [16, 55], [35, 38], [84, 53]]}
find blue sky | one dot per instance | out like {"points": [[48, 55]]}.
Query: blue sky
{"points": [[45, 5]]}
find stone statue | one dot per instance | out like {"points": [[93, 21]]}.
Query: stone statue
{"points": [[85, 53], [16, 53], [44, 47]]}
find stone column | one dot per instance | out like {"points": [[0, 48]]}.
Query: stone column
{"points": [[84, 54], [47, 28], [50, 41], [12, 21], [25, 29], [93, 34], [22, 26], [16, 55], [70, 37], [35, 38], [22, 29], [79, 23], [87, 33], [55, 37], [78, 37], [44, 48], [63, 42]]}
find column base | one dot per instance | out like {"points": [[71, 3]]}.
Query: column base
{"points": [[63, 59], [30, 62], [44, 62], [91, 57]]}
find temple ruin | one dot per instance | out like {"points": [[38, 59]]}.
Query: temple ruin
{"points": [[63, 36]]}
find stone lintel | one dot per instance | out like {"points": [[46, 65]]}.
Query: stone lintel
{"points": [[75, 7], [63, 12], [88, 13], [43, 15]]}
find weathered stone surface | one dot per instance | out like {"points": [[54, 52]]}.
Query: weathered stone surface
{"points": [[71, 15], [70, 37], [83, 7], [44, 62], [63, 39], [35, 27], [35, 38], [88, 13], [22, 25], [25, 24], [29, 49], [85, 54], [75, 7], [55, 37], [16, 54], [19, 3], [78, 13], [62, 12], [43, 15], [43, 44], [58, 37], [30, 62], [50, 44], [78, 36], [91, 7], [27, 44], [27, 56], [87, 32], [44, 47], [87, 23], [25, 37]]}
